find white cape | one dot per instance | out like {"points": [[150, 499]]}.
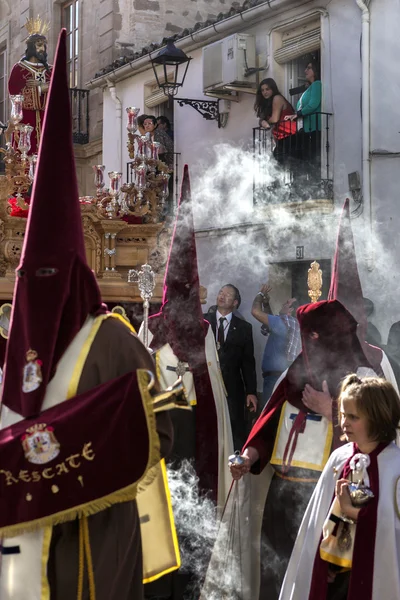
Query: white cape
{"points": [[235, 561], [386, 577], [225, 442]]}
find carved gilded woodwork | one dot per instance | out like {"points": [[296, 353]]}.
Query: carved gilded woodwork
{"points": [[112, 248]]}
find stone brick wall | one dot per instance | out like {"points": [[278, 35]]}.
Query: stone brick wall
{"points": [[147, 21], [108, 30]]}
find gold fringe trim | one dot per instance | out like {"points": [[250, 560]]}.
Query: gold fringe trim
{"points": [[77, 512], [124, 495]]}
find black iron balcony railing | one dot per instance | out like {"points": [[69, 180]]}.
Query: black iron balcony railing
{"points": [[173, 161], [291, 160], [80, 115]]}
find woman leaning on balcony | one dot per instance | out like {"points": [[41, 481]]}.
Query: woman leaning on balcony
{"points": [[272, 108], [308, 116]]}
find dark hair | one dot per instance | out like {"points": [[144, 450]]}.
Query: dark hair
{"points": [[31, 47], [315, 67], [152, 117], [237, 293], [164, 121], [141, 119], [263, 106], [377, 400]]}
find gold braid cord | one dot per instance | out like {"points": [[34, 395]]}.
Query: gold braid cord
{"points": [[314, 281]]}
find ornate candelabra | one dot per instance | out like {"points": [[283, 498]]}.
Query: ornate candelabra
{"points": [[146, 284], [145, 196], [19, 167]]}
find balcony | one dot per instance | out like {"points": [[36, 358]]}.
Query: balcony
{"points": [[80, 115], [291, 162]]}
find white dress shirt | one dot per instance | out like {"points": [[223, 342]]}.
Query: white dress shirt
{"points": [[227, 323]]}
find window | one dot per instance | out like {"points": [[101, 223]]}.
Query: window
{"points": [[3, 85], [70, 20], [294, 44]]}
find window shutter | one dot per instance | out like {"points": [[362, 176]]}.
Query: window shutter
{"points": [[155, 98], [298, 46]]}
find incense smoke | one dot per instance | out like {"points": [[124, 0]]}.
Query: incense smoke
{"points": [[195, 521], [247, 244]]}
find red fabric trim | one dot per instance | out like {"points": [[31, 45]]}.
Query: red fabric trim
{"points": [[298, 427], [360, 587], [362, 572], [262, 436]]}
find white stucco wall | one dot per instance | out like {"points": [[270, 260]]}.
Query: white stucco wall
{"points": [[221, 169]]}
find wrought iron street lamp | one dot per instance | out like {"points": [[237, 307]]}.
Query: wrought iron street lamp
{"points": [[170, 57], [170, 67]]}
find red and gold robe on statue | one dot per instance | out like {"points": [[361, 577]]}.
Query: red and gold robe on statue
{"points": [[35, 98]]}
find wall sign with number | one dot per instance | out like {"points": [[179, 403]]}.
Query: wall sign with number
{"points": [[299, 252]]}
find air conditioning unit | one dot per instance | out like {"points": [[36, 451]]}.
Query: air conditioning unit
{"points": [[226, 62]]}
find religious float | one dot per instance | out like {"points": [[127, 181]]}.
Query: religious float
{"points": [[125, 225]]}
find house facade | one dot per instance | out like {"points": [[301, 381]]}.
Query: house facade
{"points": [[100, 32], [246, 239]]}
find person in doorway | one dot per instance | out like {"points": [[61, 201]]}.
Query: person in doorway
{"points": [[166, 151], [235, 347], [345, 551], [163, 124], [284, 342]]}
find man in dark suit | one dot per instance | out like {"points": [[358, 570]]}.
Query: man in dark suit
{"points": [[234, 340]]}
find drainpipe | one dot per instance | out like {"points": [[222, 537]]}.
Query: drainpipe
{"points": [[118, 118], [366, 112]]}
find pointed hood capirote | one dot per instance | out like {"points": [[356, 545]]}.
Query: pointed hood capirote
{"points": [[55, 290], [346, 285], [330, 356], [180, 323], [181, 307]]}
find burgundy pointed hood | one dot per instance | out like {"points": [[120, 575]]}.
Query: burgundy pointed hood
{"points": [[346, 284], [181, 324], [181, 307], [55, 289]]}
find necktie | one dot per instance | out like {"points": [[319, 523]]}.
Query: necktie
{"points": [[221, 332]]}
